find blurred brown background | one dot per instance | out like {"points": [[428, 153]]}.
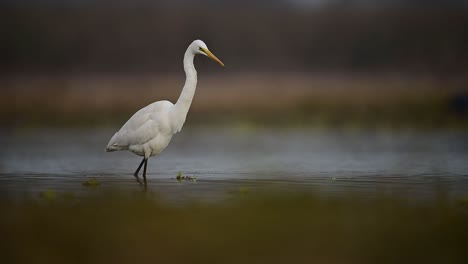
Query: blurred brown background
{"points": [[307, 63]]}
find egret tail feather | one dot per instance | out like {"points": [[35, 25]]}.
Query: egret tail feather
{"points": [[111, 148]]}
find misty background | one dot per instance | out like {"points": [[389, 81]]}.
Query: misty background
{"points": [[336, 133], [97, 61]]}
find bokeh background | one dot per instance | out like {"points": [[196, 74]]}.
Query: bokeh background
{"points": [[323, 63], [336, 133]]}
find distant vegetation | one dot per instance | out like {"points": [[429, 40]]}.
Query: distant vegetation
{"points": [[254, 100], [152, 38], [335, 66]]}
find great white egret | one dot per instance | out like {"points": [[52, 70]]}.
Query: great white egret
{"points": [[150, 129]]}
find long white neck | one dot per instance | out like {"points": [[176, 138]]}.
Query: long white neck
{"points": [[182, 105]]}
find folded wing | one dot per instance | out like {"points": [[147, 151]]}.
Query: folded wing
{"points": [[142, 127]]}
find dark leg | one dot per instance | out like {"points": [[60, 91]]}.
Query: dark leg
{"points": [[138, 169], [144, 170]]}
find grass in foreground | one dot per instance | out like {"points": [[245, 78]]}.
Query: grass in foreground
{"points": [[250, 229]]}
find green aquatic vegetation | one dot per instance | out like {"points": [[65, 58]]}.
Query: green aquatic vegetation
{"points": [[48, 195], [91, 182], [244, 190], [180, 177]]}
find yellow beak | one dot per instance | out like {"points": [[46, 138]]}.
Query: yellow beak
{"points": [[212, 56]]}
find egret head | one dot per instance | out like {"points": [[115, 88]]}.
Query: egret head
{"points": [[199, 47]]}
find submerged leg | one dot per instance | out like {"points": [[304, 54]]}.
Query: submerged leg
{"points": [[138, 169], [144, 170]]}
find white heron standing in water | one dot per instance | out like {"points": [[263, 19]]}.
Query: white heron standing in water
{"points": [[148, 132]]}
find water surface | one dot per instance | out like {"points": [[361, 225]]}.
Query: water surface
{"points": [[229, 161]]}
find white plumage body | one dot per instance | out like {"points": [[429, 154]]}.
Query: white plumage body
{"points": [[148, 132]]}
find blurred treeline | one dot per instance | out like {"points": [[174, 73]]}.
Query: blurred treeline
{"points": [[331, 65], [152, 37]]}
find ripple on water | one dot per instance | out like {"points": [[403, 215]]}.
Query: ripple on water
{"points": [[411, 165]]}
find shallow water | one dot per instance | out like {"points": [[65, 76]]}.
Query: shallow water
{"points": [[237, 161]]}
